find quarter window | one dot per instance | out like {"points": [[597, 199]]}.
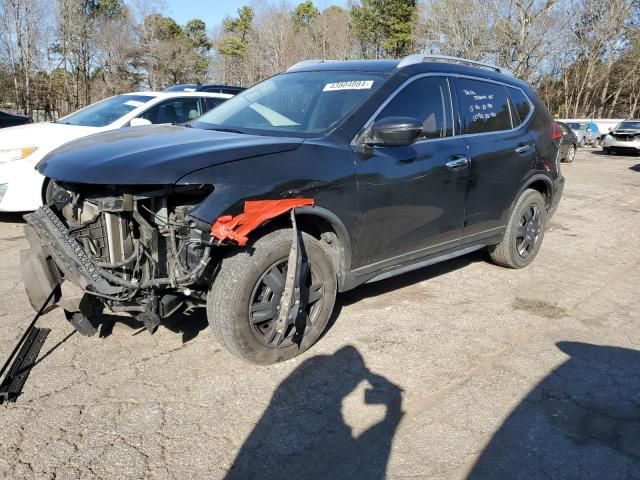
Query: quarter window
{"points": [[483, 106], [521, 105], [427, 100]]}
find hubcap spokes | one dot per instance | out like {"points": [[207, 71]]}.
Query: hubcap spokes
{"points": [[528, 231], [264, 307]]}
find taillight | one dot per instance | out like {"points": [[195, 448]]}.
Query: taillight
{"points": [[556, 131]]}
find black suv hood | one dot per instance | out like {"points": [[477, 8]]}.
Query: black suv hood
{"points": [[153, 155]]}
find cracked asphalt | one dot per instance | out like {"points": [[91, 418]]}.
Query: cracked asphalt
{"points": [[459, 370]]}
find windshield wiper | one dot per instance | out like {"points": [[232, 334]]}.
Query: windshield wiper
{"points": [[228, 130]]}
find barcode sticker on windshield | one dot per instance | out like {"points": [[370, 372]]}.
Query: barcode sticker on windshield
{"points": [[133, 103], [352, 85]]}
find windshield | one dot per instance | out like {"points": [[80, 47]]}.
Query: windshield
{"points": [[629, 126], [576, 125], [106, 112], [301, 103]]}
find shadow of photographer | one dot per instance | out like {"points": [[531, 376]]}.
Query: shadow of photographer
{"points": [[303, 433]]}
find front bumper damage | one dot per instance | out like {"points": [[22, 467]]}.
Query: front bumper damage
{"points": [[82, 287], [56, 261]]}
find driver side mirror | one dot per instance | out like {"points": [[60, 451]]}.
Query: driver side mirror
{"points": [[139, 122], [394, 132]]}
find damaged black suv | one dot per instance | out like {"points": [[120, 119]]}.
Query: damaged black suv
{"points": [[313, 182]]}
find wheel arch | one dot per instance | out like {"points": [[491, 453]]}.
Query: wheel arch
{"points": [[323, 225], [541, 183]]}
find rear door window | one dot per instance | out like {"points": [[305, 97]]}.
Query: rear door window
{"points": [[484, 106], [427, 100]]}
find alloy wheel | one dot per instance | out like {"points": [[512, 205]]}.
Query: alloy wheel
{"points": [[264, 303], [528, 231]]}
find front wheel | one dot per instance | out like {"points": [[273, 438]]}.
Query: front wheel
{"points": [[524, 233], [244, 300]]}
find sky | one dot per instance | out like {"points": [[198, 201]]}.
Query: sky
{"points": [[213, 11]]}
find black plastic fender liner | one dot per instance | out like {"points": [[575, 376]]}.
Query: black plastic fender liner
{"points": [[38, 276]]}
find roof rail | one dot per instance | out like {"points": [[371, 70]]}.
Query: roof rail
{"points": [[420, 57], [305, 63]]}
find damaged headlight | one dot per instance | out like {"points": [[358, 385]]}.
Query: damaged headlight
{"points": [[11, 154]]}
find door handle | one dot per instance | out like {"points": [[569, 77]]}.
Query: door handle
{"points": [[458, 163], [523, 148]]}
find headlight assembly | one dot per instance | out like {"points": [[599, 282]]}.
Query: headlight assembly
{"points": [[11, 154]]}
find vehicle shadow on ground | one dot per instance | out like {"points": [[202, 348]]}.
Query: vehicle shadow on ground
{"points": [[582, 421], [407, 279], [188, 323], [191, 322], [12, 217], [635, 168], [303, 434]]}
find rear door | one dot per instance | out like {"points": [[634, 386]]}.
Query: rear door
{"points": [[502, 151], [411, 198]]}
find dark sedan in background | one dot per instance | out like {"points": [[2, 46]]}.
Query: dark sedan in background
{"points": [[568, 144], [11, 120]]}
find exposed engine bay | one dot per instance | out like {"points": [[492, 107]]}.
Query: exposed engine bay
{"points": [[133, 249]]}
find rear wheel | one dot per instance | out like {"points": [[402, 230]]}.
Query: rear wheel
{"points": [[524, 233], [244, 301], [571, 154]]}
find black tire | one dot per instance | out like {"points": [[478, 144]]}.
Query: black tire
{"points": [[510, 252], [244, 275], [571, 154]]}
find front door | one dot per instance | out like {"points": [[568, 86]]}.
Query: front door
{"points": [[411, 198]]}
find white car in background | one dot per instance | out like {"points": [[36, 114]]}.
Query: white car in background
{"points": [[22, 188], [625, 138]]}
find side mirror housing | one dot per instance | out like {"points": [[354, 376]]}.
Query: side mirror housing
{"points": [[139, 122], [394, 132]]}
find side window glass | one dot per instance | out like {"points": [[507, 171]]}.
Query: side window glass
{"points": [[179, 110], [427, 100], [564, 129], [483, 106], [211, 103], [520, 103]]}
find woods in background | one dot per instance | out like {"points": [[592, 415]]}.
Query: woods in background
{"points": [[583, 56]]}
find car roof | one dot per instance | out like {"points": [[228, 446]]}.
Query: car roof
{"points": [[383, 66], [181, 94]]}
